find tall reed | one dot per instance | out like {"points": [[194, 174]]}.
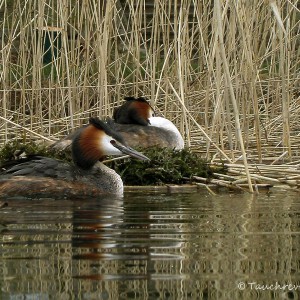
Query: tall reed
{"points": [[237, 100]]}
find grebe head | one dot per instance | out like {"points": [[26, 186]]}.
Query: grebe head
{"points": [[134, 111], [95, 141]]}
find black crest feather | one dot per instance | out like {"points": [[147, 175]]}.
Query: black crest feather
{"points": [[107, 129]]}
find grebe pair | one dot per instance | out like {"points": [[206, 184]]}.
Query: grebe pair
{"points": [[88, 176], [40, 176]]}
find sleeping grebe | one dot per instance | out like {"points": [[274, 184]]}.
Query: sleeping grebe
{"points": [[131, 120], [161, 133], [134, 122], [43, 176], [134, 111]]}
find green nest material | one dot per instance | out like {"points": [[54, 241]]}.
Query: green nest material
{"points": [[165, 166], [15, 149]]}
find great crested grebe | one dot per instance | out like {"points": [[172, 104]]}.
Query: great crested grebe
{"points": [[153, 131], [161, 133], [134, 111], [133, 121], [87, 176]]}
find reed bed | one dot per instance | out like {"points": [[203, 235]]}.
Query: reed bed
{"points": [[262, 176], [225, 72]]}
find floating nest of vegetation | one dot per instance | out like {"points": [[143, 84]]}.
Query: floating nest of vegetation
{"points": [[165, 166], [16, 150]]}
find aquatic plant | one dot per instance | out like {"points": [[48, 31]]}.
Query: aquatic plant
{"points": [[16, 149], [165, 166]]}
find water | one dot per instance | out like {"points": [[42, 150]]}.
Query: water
{"points": [[152, 246]]}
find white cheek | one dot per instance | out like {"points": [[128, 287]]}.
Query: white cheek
{"points": [[150, 113], [107, 148]]}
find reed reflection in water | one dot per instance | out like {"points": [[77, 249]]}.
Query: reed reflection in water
{"points": [[151, 246]]}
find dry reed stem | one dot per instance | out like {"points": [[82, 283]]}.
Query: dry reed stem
{"points": [[26, 129], [229, 101], [231, 90]]}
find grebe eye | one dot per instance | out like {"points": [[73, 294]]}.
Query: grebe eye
{"points": [[113, 142]]}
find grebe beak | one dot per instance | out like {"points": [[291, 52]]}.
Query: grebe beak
{"points": [[129, 151]]}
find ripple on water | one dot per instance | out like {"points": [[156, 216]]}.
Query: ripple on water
{"points": [[149, 246]]}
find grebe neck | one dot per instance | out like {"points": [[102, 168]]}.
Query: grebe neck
{"points": [[105, 178]]}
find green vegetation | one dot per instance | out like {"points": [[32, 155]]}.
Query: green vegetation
{"points": [[15, 149], [165, 166]]}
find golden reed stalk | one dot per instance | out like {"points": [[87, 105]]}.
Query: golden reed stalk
{"points": [[225, 72]]}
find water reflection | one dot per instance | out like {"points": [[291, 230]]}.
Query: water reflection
{"points": [[151, 247]]}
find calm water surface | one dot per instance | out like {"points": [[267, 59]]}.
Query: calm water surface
{"points": [[152, 246]]}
